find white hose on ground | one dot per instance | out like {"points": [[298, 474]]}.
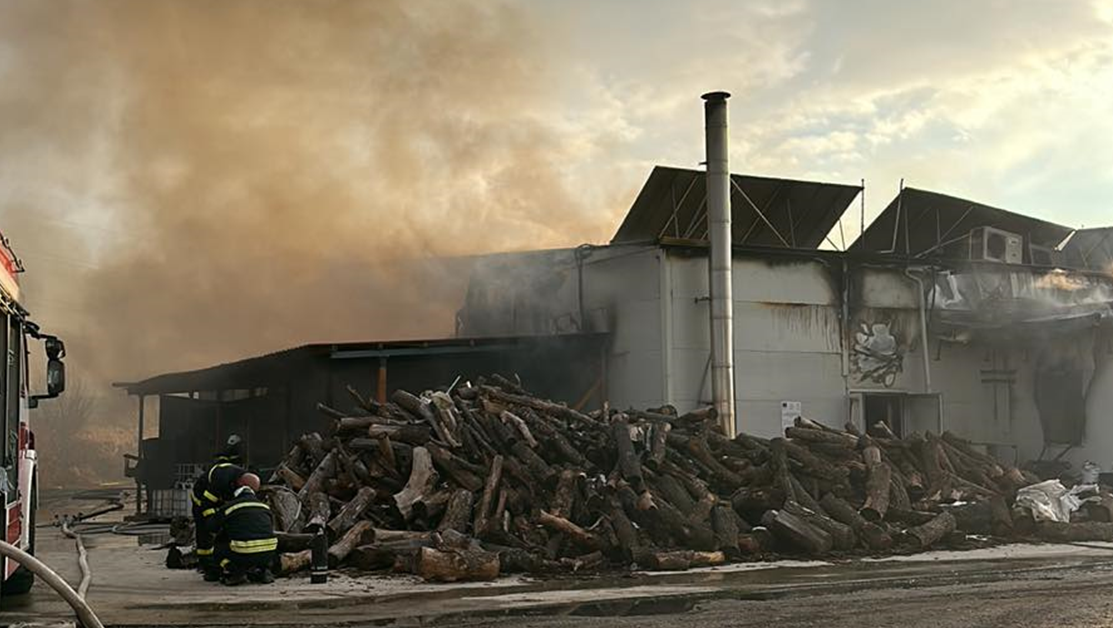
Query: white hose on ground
{"points": [[85, 614], [82, 560]]}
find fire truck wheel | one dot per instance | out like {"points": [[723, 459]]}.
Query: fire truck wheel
{"points": [[21, 581]]}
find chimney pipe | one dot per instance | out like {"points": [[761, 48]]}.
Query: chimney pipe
{"points": [[719, 233]]}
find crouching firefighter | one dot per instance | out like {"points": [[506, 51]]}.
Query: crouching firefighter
{"points": [[210, 490], [246, 545]]}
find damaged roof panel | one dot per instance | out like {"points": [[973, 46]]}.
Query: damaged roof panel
{"points": [[764, 211], [929, 221], [1090, 248]]}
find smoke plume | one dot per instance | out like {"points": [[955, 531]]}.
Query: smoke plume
{"points": [[193, 182]]}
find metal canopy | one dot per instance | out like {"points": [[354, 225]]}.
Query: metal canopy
{"points": [[277, 368], [764, 211], [919, 223]]}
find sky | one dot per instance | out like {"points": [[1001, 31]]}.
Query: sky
{"points": [[175, 171]]}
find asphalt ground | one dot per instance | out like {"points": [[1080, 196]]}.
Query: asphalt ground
{"points": [[1016, 585]]}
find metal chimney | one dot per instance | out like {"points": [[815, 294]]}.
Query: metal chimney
{"points": [[718, 228]]}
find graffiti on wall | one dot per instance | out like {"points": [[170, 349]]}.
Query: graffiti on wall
{"points": [[876, 355]]}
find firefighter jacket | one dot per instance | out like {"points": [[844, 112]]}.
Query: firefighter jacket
{"points": [[215, 486], [245, 524]]}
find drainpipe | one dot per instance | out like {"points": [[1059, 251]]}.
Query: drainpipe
{"points": [[719, 260], [923, 327]]}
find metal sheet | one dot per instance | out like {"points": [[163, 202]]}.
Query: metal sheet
{"points": [[673, 203], [1089, 248], [917, 222]]}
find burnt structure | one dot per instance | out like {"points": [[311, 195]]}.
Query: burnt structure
{"points": [[272, 399]]}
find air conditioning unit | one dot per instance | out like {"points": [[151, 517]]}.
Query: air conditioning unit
{"points": [[1042, 255], [995, 245]]}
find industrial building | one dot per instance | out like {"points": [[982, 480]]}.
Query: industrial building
{"points": [[943, 314]]}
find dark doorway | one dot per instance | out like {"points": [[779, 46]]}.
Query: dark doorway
{"points": [[887, 409]]}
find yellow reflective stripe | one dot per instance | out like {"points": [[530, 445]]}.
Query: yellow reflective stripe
{"points": [[205, 552], [208, 512], [213, 498], [253, 547], [233, 508], [217, 466], [196, 502], [225, 563]]}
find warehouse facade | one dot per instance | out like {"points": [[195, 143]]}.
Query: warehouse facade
{"points": [[913, 324]]}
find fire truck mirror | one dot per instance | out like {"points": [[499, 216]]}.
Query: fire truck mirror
{"points": [[55, 348], [55, 377]]}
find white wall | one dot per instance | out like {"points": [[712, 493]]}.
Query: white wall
{"points": [[622, 286], [787, 340]]}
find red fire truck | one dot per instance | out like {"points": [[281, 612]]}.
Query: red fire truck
{"points": [[18, 476]]}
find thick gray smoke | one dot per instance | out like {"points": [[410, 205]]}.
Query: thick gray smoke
{"points": [[198, 181]]}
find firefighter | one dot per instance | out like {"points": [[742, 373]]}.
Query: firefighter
{"points": [[246, 544], [210, 490]]}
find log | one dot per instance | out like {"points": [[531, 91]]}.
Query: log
{"points": [[288, 542], [287, 509], [803, 496], [877, 492], [318, 512], [797, 532], [628, 461], [313, 446], [671, 489], [701, 452], [295, 562], [385, 554], [490, 492], [520, 426], [625, 532], [680, 560], [898, 496], [469, 565], [533, 462], [458, 513], [290, 477], [361, 533], [874, 536], [546, 407], [564, 497], [1000, 517], [724, 523], [315, 483], [420, 485], [842, 535], [424, 410], [925, 535], [820, 436], [813, 464], [581, 537], [351, 512], [460, 470], [410, 433], [658, 439], [753, 501]]}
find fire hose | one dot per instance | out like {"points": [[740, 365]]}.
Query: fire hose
{"points": [[85, 615]]}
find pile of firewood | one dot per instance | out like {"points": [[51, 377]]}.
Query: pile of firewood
{"points": [[488, 479]]}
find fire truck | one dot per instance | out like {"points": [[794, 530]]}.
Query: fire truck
{"points": [[18, 462]]}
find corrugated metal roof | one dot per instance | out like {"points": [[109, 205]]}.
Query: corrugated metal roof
{"points": [[279, 366], [797, 214], [934, 218]]}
